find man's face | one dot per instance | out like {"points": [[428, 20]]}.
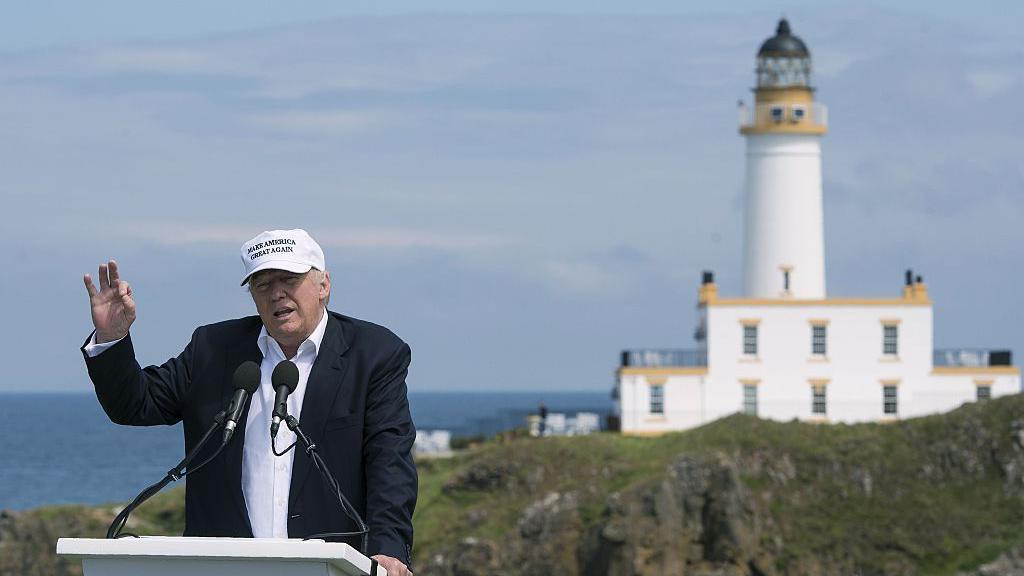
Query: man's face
{"points": [[289, 304]]}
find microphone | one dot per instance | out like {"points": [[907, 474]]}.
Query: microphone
{"points": [[246, 381], [285, 378]]}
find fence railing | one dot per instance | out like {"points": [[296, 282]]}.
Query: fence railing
{"points": [[972, 357], [649, 357]]}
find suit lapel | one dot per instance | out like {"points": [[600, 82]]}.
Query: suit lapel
{"points": [[246, 349], [322, 388]]}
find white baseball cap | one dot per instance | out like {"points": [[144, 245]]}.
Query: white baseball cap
{"points": [[291, 250]]}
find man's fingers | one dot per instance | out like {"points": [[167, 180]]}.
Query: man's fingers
{"points": [[394, 566], [103, 278], [89, 286], [114, 276], [124, 290]]}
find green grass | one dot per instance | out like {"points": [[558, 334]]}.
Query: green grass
{"points": [[163, 514]]}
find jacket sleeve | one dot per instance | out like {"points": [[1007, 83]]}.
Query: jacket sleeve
{"points": [[391, 481], [130, 394]]}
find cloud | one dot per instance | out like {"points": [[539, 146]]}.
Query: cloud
{"points": [[178, 234], [397, 238], [316, 123], [172, 60], [583, 278], [989, 83]]}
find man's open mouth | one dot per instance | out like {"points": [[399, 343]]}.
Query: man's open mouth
{"points": [[283, 312]]}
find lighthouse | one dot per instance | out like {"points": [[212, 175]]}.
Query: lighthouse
{"points": [[784, 244], [784, 349]]}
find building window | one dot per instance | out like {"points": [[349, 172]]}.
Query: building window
{"points": [[777, 112], [798, 114], [818, 402], [658, 399], [818, 337], [750, 399], [984, 393], [750, 339], [890, 340], [889, 400]]}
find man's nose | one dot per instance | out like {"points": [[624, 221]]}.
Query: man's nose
{"points": [[277, 290]]}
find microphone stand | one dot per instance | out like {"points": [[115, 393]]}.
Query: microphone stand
{"points": [[174, 474], [325, 474]]}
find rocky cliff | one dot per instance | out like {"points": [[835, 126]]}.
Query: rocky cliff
{"points": [[743, 496]]}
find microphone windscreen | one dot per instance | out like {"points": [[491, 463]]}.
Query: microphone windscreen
{"points": [[247, 376], [286, 373]]}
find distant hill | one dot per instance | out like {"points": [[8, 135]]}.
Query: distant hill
{"points": [[741, 496]]}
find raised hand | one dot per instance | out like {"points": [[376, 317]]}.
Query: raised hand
{"points": [[113, 307]]}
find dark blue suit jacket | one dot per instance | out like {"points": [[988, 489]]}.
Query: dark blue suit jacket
{"points": [[355, 409]]}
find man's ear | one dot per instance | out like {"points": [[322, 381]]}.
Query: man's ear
{"points": [[325, 287]]}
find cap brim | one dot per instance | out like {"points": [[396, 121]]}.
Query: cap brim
{"points": [[297, 267]]}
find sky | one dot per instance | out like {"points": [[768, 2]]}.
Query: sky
{"points": [[519, 190]]}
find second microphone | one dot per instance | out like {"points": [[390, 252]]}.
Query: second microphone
{"points": [[284, 380]]}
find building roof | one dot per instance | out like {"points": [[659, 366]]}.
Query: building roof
{"points": [[784, 44]]}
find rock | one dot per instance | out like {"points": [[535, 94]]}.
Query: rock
{"points": [[1010, 563], [554, 513], [476, 516], [727, 519], [478, 478], [474, 557]]}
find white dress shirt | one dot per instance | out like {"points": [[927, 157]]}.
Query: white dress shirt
{"points": [[266, 479]]}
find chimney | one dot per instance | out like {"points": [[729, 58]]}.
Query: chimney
{"points": [[908, 285], [919, 289], [708, 292]]}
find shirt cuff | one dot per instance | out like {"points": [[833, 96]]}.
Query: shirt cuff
{"points": [[92, 349]]}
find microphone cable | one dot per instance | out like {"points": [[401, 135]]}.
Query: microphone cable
{"points": [[246, 381], [173, 475], [273, 446], [332, 482]]}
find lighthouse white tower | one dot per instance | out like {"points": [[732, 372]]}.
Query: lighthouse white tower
{"points": [[784, 245]]}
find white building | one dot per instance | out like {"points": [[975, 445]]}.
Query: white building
{"points": [[433, 443], [785, 349], [557, 424]]}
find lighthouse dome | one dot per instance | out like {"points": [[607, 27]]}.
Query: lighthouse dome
{"points": [[784, 44], [783, 61]]}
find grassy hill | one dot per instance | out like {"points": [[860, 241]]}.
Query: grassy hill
{"points": [[933, 495]]}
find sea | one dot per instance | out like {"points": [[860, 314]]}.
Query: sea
{"points": [[60, 448]]}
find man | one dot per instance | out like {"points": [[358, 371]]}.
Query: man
{"points": [[350, 400]]}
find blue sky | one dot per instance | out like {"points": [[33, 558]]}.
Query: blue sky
{"points": [[44, 23], [518, 193]]}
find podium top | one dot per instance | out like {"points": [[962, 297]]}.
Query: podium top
{"points": [[336, 553]]}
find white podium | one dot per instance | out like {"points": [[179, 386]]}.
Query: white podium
{"points": [[175, 556]]}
